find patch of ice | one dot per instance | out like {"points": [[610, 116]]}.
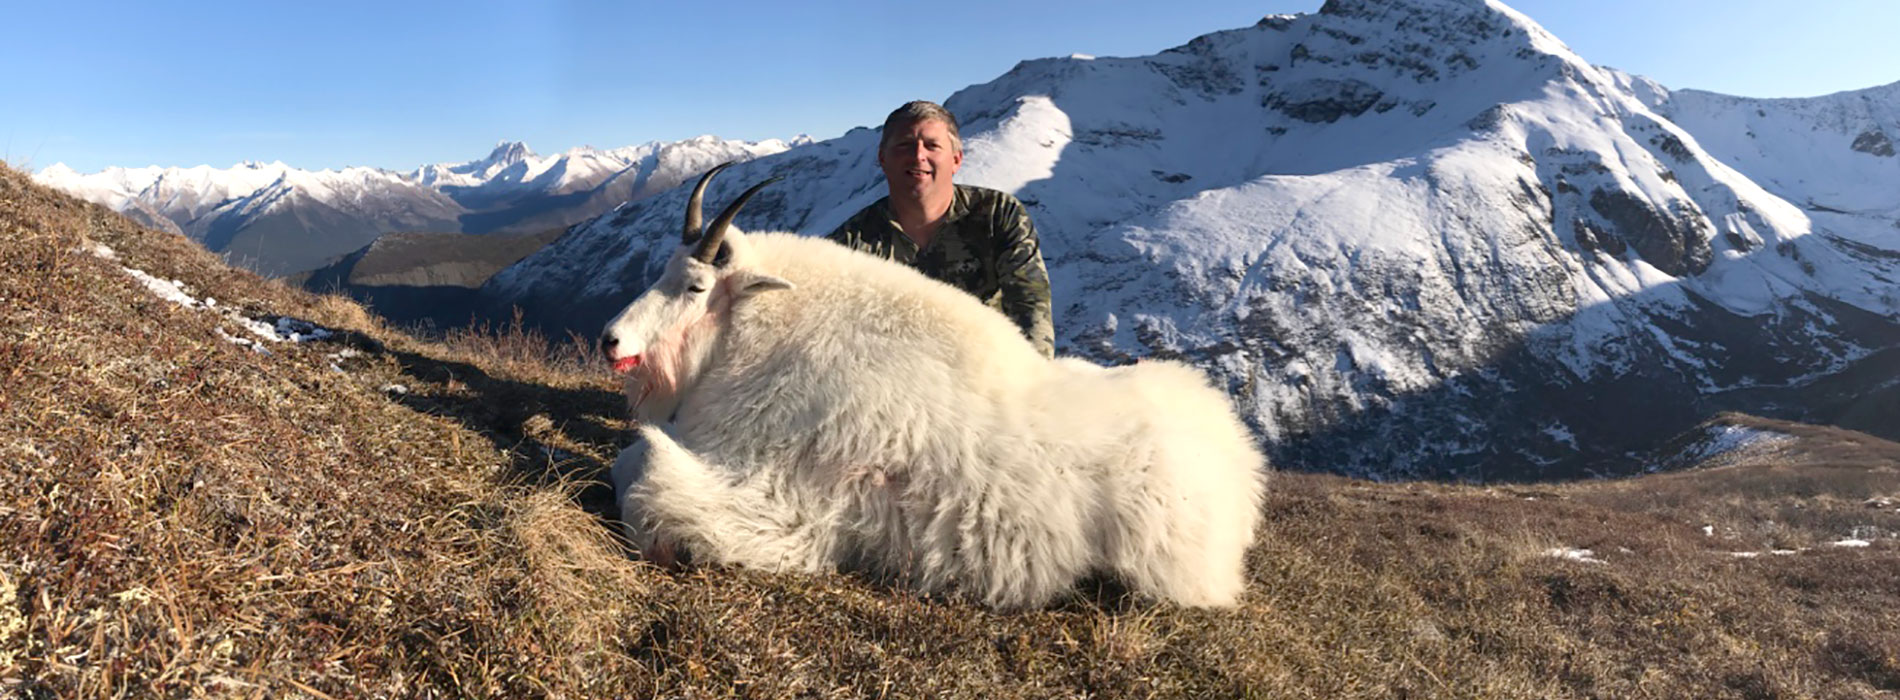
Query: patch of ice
{"points": [[1851, 543]]}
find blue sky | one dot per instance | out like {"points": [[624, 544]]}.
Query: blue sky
{"points": [[397, 84]]}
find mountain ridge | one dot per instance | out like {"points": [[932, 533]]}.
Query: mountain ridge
{"points": [[276, 219]]}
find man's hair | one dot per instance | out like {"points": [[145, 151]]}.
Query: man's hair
{"points": [[920, 111]]}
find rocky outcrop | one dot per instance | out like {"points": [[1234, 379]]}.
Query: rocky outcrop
{"points": [[1674, 242], [1324, 101], [1874, 142]]}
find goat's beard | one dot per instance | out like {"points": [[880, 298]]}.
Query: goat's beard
{"points": [[652, 392], [653, 388]]}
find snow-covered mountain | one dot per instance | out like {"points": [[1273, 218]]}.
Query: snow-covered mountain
{"points": [[277, 219], [1408, 236], [1832, 156]]}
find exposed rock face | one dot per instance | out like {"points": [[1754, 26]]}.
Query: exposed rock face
{"points": [[1874, 142], [1324, 101], [1675, 243]]}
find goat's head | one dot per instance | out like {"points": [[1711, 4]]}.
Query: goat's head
{"points": [[662, 340]]}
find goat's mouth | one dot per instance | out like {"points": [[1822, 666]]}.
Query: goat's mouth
{"points": [[626, 364], [647, 378]]}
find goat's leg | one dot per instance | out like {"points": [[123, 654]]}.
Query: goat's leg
{"points": [[715, 514], [629, 470]]}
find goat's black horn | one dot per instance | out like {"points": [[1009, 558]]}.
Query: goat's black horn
{"points": [[692, 231], [709, 246]]}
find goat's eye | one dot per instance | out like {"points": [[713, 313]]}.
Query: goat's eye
{"points": [[695, 288]]}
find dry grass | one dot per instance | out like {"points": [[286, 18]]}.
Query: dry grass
{"points": [[182, 517]]}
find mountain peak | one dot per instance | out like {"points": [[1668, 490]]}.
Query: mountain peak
{"points": [[1462, 21], [509, 152], [1380, 8]]}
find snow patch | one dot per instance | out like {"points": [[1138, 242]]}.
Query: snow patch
{"points": [[170, 290], [99, 250], [280, 329], [1723, 439], [243, 342], [1561, 433], [1574, 554], [297, 330]]}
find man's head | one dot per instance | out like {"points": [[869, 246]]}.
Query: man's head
{"points": [[920, 150]]}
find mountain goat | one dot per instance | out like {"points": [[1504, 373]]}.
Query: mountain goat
{"points": [[825, 409]]}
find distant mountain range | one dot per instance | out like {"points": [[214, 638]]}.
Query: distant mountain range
{"points": [[1409, 237], [276, 219]]}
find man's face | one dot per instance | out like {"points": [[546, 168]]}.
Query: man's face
{"points": [[919, 159]]}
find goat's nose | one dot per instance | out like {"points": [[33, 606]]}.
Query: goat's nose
{"points": [[607, 344]]}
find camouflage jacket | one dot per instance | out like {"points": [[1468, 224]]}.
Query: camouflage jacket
{"points": [[986, 246]]}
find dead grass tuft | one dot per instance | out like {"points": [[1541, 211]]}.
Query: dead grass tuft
{"points": [[524, 352]]}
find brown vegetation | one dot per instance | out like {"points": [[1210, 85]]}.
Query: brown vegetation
{"points": [[378, 516]]}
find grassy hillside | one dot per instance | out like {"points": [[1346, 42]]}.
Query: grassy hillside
{"points": [[370, 515]]}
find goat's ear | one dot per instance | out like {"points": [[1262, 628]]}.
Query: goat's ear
{"points": [[750, 283]]}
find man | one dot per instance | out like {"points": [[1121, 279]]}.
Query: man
{"points": [[976, 239]]}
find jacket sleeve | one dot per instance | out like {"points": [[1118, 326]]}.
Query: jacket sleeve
{"points": [[1023, 279]]}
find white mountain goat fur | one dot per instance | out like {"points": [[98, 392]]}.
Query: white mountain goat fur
{"points": [[827, 409]]}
